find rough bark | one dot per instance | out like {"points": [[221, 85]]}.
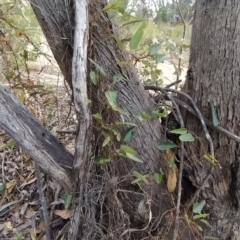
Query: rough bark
{"points": [[214, 77], [134, 99], [40, 144], [131, 97], [56, 20]]}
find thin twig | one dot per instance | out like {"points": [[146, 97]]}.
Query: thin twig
{"points": [[180, 118], [66, 131], [199, 114], [43, 203], [183, 37], [195, 195], [208, 122], [173, 83]]}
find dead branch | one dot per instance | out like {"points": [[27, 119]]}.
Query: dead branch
{"points": [[40, 144], [83, 139]]}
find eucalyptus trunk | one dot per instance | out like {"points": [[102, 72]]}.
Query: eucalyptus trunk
{"points": [[214, 79], [120, 212]]}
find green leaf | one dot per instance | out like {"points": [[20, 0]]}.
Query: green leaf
{"points": [[11, 143], [177, 71], [22, 97], [38, 86], [122, 111], [118, 41], [157, 114], [116, 133], [186, 218], [132, 22], [94, 77], [171, 162], [25, 54], [198, 216], [100, 160], [185, 46], [2, 187], [140, 176], [159, 58], [128, 135], [145, 116], [106, 141], [100, 68], [214, 115], [130, 153], [20, 236], [112, 98], [127, 149], [199, 228], [209, 158], [179, 131], [126, 123], [197, 207], [188, 137], [113, 5], [135, 40], [158, 176], [67, 200], [153, 49], [117, 78], [97, 116], [211, 238], [166, 145], [205, 222], [9, 74]]}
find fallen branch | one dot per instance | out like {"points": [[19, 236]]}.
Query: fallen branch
{"points": [[40, 144]]}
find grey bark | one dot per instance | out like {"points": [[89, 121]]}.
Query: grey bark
{"points": [[40, 144], [214, 77], [56, 20], [82, 156], [131, 97]]}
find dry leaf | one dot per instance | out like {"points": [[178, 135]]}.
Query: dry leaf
{"points": [[8, 225], [32, 109], [33, 234], [172, 179], [28, 82], [3, 39], [168, 156], [41, 226], [30, 213], [10, 186], [29, 182], [65, 214]]}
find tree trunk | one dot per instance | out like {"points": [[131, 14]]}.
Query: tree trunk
{"points": [[120, 209], [214, 78]]}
